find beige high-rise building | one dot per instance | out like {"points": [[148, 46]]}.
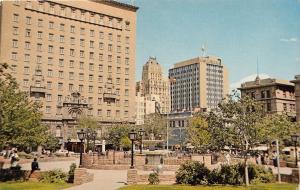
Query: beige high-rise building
{"points": [[76, 57], [277, 96], [154, 83], [198, 83], [297, 95]]}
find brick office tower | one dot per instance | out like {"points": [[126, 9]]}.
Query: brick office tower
{"points": [[198, 83], [76, 57], [277, 96]]}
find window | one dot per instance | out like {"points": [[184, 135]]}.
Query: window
{"points": [[71, 64], [51, 25], [126, 61], [119, 49], [125, 114], [38, 46], [81, 64], [126, 82], [262, 94], [109, 58], [27, 32], [39, 59], [71, 75], [60, 86], [48, 110], [72, 52], [110, 22], [40, 22], [100, 67], [126, 71], [99, 112], [49, 85], [72, 40], [73, 14], [82, 31], [101, 35], [118, 60], [127, 25], [72, 29], [41, 6], [26, 57], [15, 43], [127, 40], [16, 18], [50, 60], [28, 5], [109, 68], [28, 20], [118, 38], [62, 27], [91, 77], [62, 39], [117, 113], [109, 47], [126, 92], [101, 20], [50, 49], [82, 42], [80, 88], [62, 11], [52, 9], [108, 113], [51, 37], [26, 70], [118, 70], [15, 30], [61, 50], [127, 50], [61, 74], [100, 89], [100, 78], [101, 45], [81, 76], [126, 103], [91, 55], [50, 73], [118, 81], [39, 34], [91, 66], [71, 87], [59, 98], [48, 97], [14, 56], [90, 89], [110, 37], [91, 44], [83, 16], [82, 54], [92, 33], [100, 57], [61, 62], [268, 94]]}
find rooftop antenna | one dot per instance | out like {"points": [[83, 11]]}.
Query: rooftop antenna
{"points": [[203, 50]]}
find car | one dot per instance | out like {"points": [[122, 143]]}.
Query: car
{"points": [[63, 153]]}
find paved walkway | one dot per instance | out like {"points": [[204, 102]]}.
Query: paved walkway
{"points": [[104, 180]]}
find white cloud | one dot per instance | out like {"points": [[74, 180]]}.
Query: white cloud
{"points": [[298, 58], [290, 40], [252, 77]]}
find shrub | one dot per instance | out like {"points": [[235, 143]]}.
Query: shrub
{"points": [[214, 177], [12, 175], [230, 174], [193, 173], [153, 178], [53, 176], [71, 173], [25, 155], [258, 174]]}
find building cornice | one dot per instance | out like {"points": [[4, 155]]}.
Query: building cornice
{"points": [[117, 4]]}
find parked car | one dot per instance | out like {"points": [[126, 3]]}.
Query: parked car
{"points": [[63, 153]]}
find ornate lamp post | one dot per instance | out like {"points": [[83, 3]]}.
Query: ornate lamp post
{"points": [[94, 135], [132, 137], [141, 133], [295, 139], [81, 136]]}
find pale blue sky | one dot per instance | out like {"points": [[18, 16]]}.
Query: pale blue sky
{"points": [[236, 30]]}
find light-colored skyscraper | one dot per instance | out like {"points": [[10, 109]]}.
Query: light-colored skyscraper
{"points": [[154, 83], [76, 57], [198, 83]]}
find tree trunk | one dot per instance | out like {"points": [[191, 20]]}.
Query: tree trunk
{"points": [[246, 172]]}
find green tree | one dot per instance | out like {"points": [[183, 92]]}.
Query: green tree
{"points": [[20, 118], [51, 142], [125, 143], [155, 124], [198, 133], [90, 125], [239, 119]]}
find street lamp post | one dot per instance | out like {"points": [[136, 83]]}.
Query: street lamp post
{"points": [[141, 133], [94, 135], [81, 136], [295, 138], [132, 137]]}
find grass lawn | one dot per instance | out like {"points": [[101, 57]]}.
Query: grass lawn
{"points": [[182, 187], [31, 186]]}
